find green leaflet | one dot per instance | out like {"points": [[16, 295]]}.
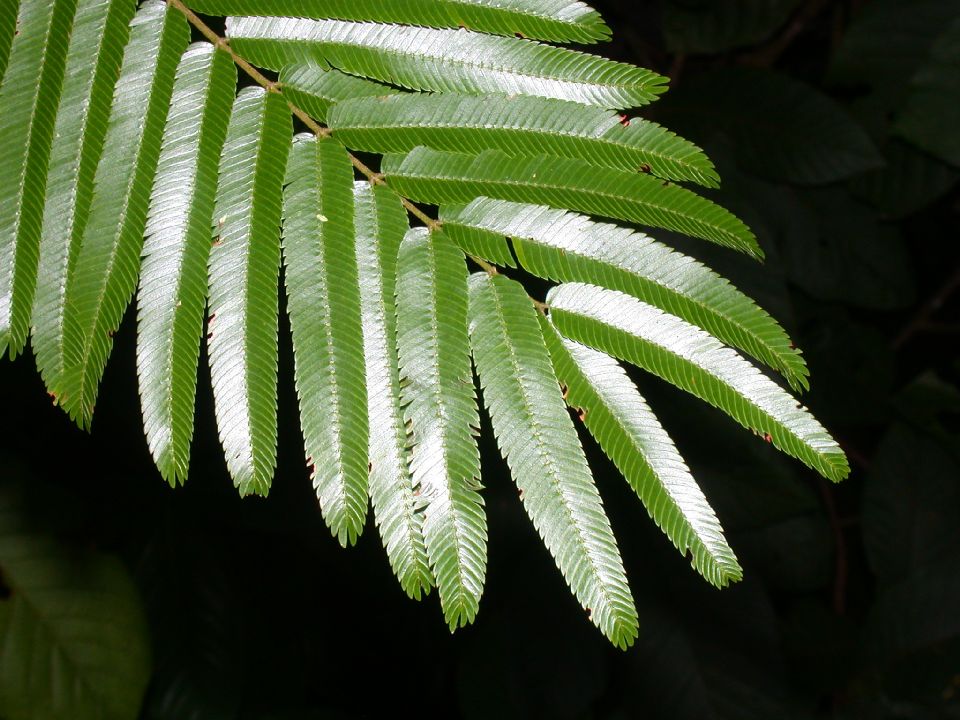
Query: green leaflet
{"points": [[243, 270], [314, 89], [441, 177], [173, 278], [630, 434], [540, 444], [444, 60], [8, 25], [29, 98], [440, 411], [518, 125], [100, 32], [381, 223], [564, 246], [554, 20], [696, 362], [104, 275], [323, 302]]}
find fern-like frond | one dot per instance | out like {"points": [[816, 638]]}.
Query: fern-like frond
{"points": [[560, 245], [104, 276], [323, 302], [173, 275], [314, 89], [444, 60], [8, 26], [100, 32], [29, 98], [243, 275], [518, 125], [381, 223], [626, 429], [540, 444], [552, 20], [441, 416], [695, 361], [443, 177]]}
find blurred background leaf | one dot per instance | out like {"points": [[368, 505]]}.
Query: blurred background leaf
{"points": [[73, 636]]}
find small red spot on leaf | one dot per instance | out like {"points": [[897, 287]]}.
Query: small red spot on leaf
{"points": [[624, 120], [768, 437]]}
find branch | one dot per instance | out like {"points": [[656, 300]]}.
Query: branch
{"points": [[921, 321], [374, 178]]}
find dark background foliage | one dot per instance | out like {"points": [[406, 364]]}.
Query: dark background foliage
{"points": [[833, 125]]}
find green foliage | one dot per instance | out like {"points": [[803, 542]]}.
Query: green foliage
{"points": [[73, 635], [381, 223], [103, 276], [554, 20], [540, 444], [244, 266], [323, 302], [444, 60], [125, 142], [32, 90], [173, 277], [315, 89], [703, 26], [439, 177], [930, 117], [441, 413], [696, 362], [519, 126], [564, 246], [93, 63], [622, 423], [781, 128]]}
